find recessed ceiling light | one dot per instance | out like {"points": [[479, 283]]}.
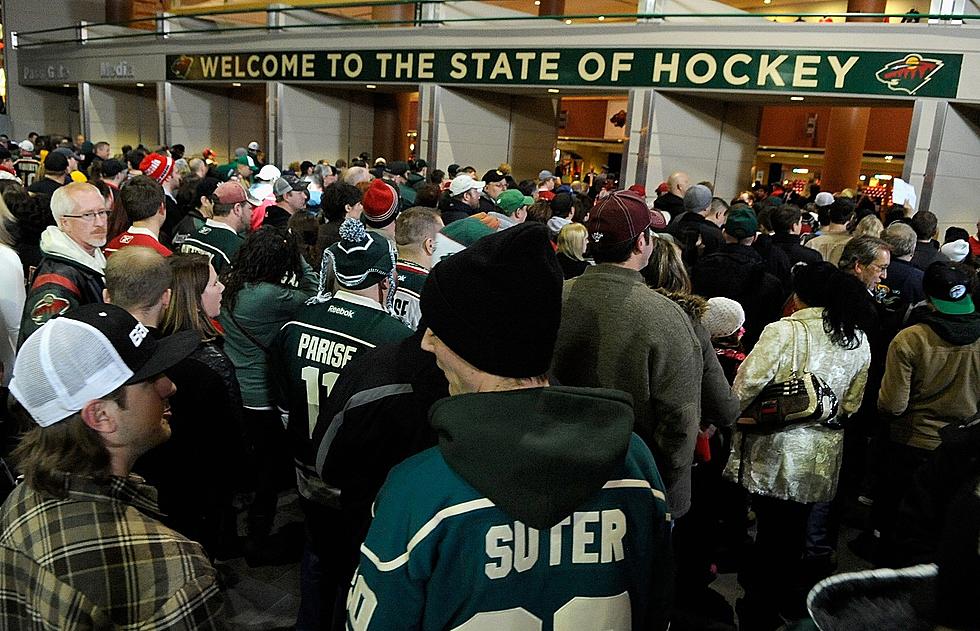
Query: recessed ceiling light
{"points": [[806, 155], [863, 178], [601, 18], [236, 85], [140, 85], [772, 155], [537, 3], [796, 98], [66, 85], [889, 158], [568, 21], [370, 86], [553, 90], [766, 1]]}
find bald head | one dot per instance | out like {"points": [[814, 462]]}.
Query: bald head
{"points": [[678, 183]]}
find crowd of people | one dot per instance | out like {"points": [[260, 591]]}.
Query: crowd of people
{"points": [[460, 376]]}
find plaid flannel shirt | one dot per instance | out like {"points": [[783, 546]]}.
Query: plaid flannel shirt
{"points": [[99, 560]]}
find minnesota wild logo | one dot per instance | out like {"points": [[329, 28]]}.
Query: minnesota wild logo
{"points": [[909, 74]]}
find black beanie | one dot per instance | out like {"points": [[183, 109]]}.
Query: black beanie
{"points": [[510, 276]]}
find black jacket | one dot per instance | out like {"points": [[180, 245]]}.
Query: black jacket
{"points": [[197, 471], [777, 262], [926, 254], [376, 416], [690, 223], [670, 203], [796, 253], [58, 284], [456, 210], [738, 272]]}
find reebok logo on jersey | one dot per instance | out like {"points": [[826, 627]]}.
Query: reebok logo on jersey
{"points": [[349, 313]]}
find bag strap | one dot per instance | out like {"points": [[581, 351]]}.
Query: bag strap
{"points": [[231, 314], [806, 337], [796, 366]]}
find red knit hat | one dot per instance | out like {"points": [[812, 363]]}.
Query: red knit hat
{"points": [[380, 204], [157, 167]]}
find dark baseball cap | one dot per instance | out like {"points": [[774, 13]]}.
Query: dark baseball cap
{"points": [[398, 167], [112, 167], [86, 354], [948, 287], [55, 162], [288, 183]]}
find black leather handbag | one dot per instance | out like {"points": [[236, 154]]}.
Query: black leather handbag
{"points": [[803, 398]]}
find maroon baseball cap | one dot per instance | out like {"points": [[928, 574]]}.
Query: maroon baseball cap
{"points": [[617, 219]]}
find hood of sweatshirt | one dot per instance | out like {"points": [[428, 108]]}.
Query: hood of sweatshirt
{"points": [[960, 330], [537, 453], [56, 242]]}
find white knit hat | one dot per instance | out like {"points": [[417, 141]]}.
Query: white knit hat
{"points": [[956, 251], [824, 198], [723, 317]]}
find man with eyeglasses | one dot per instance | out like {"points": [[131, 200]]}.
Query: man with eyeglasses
{"points": [[72, 268]]}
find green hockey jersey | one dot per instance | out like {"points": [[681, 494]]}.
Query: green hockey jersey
{"points": [[442, 555], [309, 354], [216, 240]]}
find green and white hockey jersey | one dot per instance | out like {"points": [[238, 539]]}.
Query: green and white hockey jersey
{"points": [[442, 555], [309, 354], [407, 305], [218, 241]]}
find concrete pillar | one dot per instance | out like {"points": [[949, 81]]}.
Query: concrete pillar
{"points": [[483, 129], [943, 160], [866, 6], [121, 115], [319, 122], [219, 118], [50, 111], [846, 133], [707, 139]]}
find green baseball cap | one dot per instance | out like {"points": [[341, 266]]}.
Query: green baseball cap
{"points": [[511, 200], [741, 223]]}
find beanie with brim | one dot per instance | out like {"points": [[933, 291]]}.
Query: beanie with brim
{"points": [[510, 272]]}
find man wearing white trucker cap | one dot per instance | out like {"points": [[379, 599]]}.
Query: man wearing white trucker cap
{"points": [[80, 545]]}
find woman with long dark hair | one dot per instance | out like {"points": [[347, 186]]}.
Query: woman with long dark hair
{"points": [[207, 417], [788, 470], [267, 284]]}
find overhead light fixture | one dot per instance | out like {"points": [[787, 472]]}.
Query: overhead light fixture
{"points": [[772, 155], [568, 21], [236, 85], [553, 90], [801, 171], [863, 177], [140, 85], [806, 155], [766, 1], [889, 158], [883, 176], [370, 86], [796, 98], [601, 18], [66, 85], [537, 3]]}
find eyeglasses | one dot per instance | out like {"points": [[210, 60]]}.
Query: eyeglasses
{"points": [[90, 217], [881, 268]]}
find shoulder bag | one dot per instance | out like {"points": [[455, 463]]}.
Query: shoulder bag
{"points": [[803, 398]]}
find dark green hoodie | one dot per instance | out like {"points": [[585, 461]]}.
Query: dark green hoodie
{"points": [[538, 453]]}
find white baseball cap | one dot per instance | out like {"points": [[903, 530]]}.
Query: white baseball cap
{"points": [[464, 182], [269, 173], [254, 146]]}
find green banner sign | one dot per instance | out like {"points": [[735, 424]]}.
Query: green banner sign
{"points": [[909, 73]]}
